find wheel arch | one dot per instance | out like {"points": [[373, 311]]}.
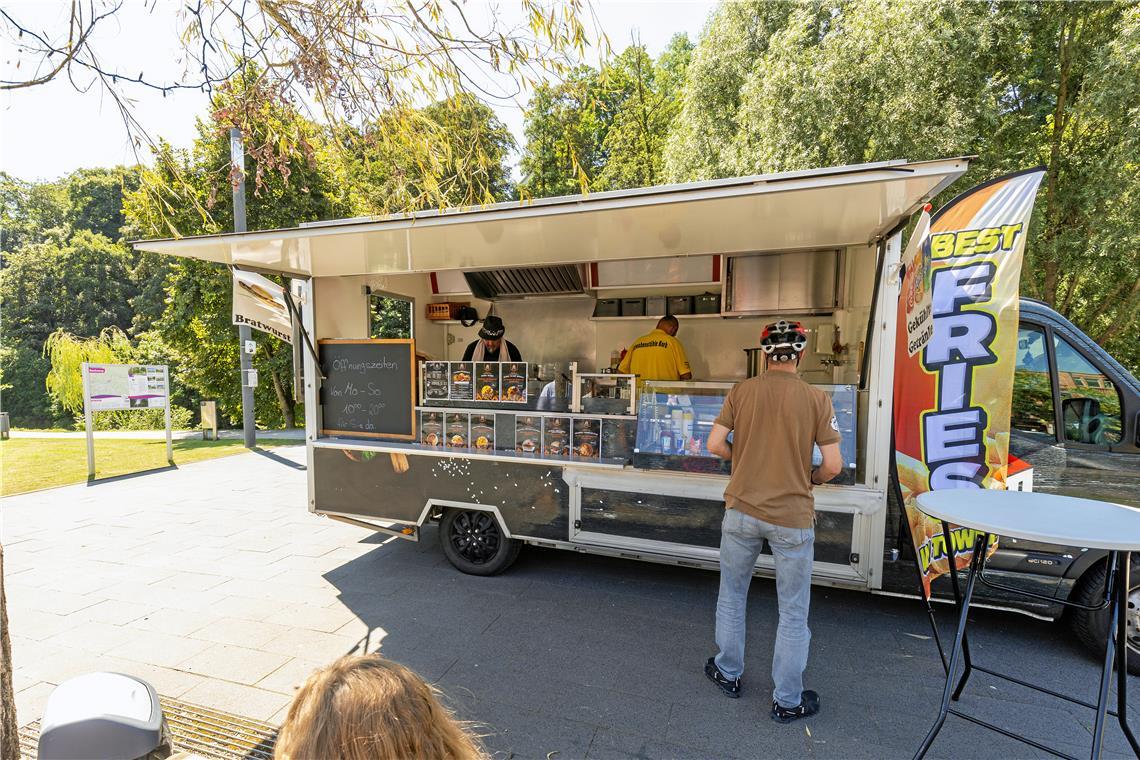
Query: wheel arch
{"points": [[442, 504], [1080, 566]]}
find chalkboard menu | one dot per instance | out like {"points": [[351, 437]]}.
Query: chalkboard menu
{"points": [[436, 380], [369, 388]]}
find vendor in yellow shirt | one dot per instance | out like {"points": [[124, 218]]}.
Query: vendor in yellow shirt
{"points": [[658, 355]]}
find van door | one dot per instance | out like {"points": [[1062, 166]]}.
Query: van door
{"points": [[1069, 419]]}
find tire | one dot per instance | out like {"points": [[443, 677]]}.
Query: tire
{"points": [[1091, 627], [474, 542]]}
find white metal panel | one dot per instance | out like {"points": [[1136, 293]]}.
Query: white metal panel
{"points": [[673, 271], [881, 385], [341, 308], [820, 209], [451, 281]]}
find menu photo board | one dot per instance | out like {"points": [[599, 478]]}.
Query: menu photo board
{"points": [[556, 436], [514, 382], [457, 429], [483, 432], [460, 385], [431, 429], [369, 388], [528, 434], [487, 381], [587, 438], [475, 381], [436, 381]]}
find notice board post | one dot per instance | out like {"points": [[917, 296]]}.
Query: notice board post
{"points": [[137, 387], [87, 423]]}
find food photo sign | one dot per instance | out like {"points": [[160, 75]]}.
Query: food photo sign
{"points": [[503, 382]]}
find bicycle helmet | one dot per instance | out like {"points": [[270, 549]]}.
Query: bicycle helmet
{"points": [[783, 341]]}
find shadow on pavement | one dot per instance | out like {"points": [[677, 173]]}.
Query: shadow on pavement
{"points": [[94, 481], [591, 656], [269, 454]]}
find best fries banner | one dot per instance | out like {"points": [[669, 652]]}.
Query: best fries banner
{"points": [[955, 353]]}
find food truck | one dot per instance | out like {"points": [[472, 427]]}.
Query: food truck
{"points": [[559, 450]]}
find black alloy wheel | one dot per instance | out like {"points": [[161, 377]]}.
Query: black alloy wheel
{"points": [[1091, 628], [474, 542]]}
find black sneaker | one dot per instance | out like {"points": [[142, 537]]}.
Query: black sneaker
{"points": [[808, 706], [730, 686]]}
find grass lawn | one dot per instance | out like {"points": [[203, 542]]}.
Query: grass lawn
{"points": [[29, 464]]}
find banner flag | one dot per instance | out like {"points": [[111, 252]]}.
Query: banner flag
{"points": [[260, 303], [955, 346], [914, 298]]}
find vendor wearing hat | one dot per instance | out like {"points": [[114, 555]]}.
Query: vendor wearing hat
{"points": [[489, 346]]}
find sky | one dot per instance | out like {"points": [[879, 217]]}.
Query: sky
{"points": [[50, 130]]}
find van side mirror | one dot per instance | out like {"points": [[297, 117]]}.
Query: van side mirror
{"points": [[1082, 420]]}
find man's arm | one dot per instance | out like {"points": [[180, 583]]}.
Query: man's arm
{"points": [[469, 351], [831, 466], [718, 442], [513, 352]]}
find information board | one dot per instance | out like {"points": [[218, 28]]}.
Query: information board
{"points": [[369, 388], [126, 386]]}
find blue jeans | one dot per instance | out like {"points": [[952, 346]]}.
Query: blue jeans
{"points": [[742, 538]]}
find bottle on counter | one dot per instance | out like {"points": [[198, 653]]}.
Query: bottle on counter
{"points": [[615, 359]]}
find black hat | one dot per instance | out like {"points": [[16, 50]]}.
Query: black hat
{"points": [[492, 328]]}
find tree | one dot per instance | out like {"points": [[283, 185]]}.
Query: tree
{"points": [[1015, 83], [703, 144], [9, 737], [566, 126], [344, 63], [472, 160], [30, 213], [648, 104], [67, 353], [95, 198], [81, 286]]}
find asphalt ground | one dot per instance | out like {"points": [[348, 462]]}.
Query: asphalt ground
{"points": [[214, 583]]}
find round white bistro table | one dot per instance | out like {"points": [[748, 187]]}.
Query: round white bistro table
{"points": [[1052, 519]]}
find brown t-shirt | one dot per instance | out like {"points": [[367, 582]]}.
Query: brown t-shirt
{"points": [[775, 419]]}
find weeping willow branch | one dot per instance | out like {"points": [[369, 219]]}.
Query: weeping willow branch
{"points": [[354, 67]]}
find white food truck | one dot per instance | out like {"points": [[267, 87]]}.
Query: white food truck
{"points": [[557, 450]]}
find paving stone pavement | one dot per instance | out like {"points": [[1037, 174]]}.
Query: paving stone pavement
{"points": [[215, 584]]}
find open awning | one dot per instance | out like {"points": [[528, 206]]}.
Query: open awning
{"points": [[818, 208]]}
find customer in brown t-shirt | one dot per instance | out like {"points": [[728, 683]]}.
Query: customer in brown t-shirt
{"points": [[774, 419]]}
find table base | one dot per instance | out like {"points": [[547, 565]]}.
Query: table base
{"points": [[1116, 595]]}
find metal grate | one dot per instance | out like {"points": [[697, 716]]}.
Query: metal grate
{"points": [[210, 733], [530, 281]]}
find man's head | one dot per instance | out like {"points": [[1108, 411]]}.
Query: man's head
{"points": [[668, 324], [783, 343], [491, 333]]}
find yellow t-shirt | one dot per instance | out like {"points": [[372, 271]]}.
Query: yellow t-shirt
{"points": [[656, 356]]}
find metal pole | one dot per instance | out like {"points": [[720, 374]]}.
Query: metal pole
{"points": [[237, 157], [87, 424], [166, 416]]}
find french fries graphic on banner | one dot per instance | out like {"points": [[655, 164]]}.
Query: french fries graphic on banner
{"points": [[956, 339]]}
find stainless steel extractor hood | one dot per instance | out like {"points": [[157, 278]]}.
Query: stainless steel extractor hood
{"points": [[495, 284]]}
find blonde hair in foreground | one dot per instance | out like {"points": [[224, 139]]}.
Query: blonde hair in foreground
{"points": [[369, 708]]}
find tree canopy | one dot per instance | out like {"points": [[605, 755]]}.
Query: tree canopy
{"points": [[779, 86]]}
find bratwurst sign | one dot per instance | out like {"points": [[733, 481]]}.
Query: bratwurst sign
{"points": [[955, 355]]}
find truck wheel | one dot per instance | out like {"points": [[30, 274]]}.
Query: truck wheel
{"points": [[474, 542], [1091, 628]]}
